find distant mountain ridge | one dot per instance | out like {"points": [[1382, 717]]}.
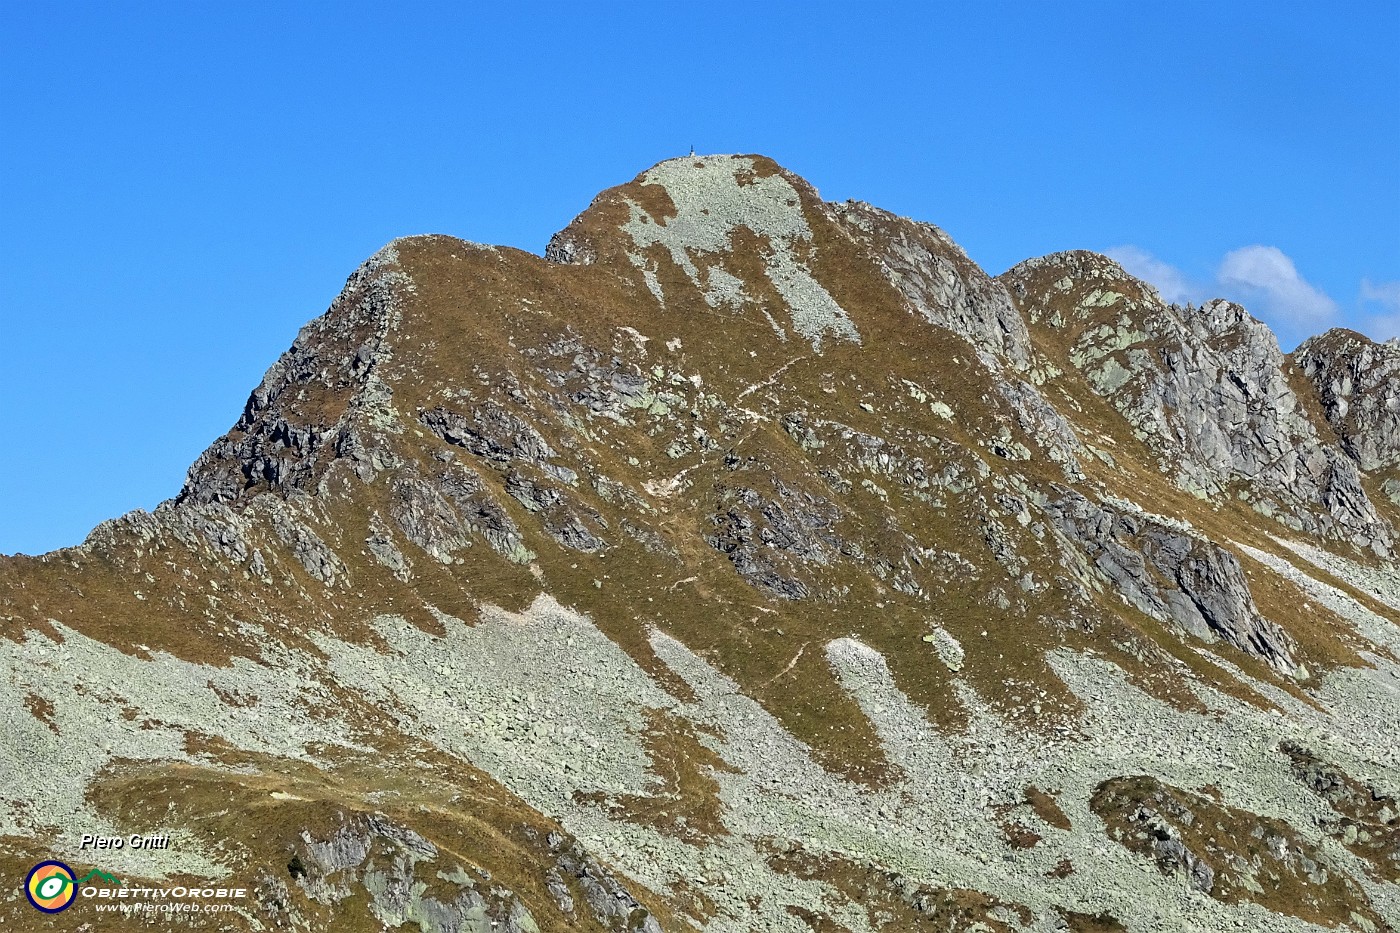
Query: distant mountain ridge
{"points": [[748, 562]]}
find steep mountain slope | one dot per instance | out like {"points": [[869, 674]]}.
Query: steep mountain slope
{"points": [[749, 562], [1357, 381]]}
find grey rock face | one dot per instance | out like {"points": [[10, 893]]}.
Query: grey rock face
{"points": [[946, 288], [441, 512], [383, 548], [1207, 389], [428, 517], [569, 250], [1358, 383], [394, 867], [302, 416], [562, 519], [770, 541], [306, 546], [609, 902], [939, 281], [508, 444], [491, 433], [1038, 418], [1172, 575], [1173, 856]]}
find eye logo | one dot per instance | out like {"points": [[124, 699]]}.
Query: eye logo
{"points": [[50, 887]]}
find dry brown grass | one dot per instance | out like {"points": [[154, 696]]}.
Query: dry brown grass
{"points": [[686, 806], [892, 904], [1047, 808], [1254, 858], [256, 817]]}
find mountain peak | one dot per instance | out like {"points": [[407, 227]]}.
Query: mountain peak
{"points": [[708, 217], [696, 181], [686, 574], [1358, 382]]}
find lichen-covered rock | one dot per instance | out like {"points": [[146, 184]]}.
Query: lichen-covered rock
{"points": [[1171, 575], [1207, 388], [321, 400], [1358, 383], [395, 869], [940, 282]]}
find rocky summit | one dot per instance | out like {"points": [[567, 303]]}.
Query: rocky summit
{"points": [[747, 562]]}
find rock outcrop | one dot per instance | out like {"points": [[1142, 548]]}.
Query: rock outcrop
{"points": [[940, 283], [406, 879], [1171, 573], [318, 401], [1207, 388], [1358, 383]]}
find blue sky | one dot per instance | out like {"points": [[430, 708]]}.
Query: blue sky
{"points": [[182, 185]]}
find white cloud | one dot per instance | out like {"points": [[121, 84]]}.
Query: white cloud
{"points": [[1170, 282], [1386, 294], [1385, 324], [1266, 275], [1266, 282]]}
